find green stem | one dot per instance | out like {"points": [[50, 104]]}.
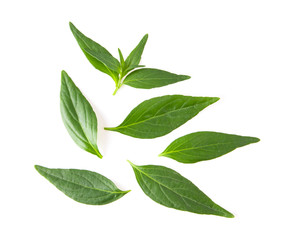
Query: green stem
{"points": [[118, 83], [116, 89]]}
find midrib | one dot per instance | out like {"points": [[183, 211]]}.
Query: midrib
{"points": [[179, 194], [186, 149], [145, 120], [97, 189]]}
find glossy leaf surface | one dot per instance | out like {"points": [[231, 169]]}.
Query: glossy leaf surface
{"points": [[201, 146], [97, 55], [134, 58], [83, 186], [78, 116], [167, 187], [151, 78], [159, 116]]}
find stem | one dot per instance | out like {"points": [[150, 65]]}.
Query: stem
{"points": [[116, 89], [118, 83]]}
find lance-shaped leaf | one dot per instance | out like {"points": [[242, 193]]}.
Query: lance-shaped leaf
{"points": [[159, 116], [201, 146], [133, 60], [167, 187], [78, 116], [97, 55], [152, 78], [83, 186], [121, 58]]}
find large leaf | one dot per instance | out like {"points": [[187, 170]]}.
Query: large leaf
{"points": [[83, 186], [151, 78], [200, 146], [169, 188], [78, 116], [134, 58], [97, 55], [159, 116]]}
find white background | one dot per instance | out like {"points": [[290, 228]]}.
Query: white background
{"points": [[241, 51]]}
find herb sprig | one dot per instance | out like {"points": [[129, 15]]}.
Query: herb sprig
{"points": [[122, 70]]}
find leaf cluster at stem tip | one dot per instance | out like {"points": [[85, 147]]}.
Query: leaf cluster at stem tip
{"points": [[124, 71]]}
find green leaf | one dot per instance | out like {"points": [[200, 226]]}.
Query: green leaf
{"points": [[201, 146], [78, 116], [135, 56], [100, 58], [82, 186], [132, 67], [110, 62], [151, 78], [121, 58], [159, 116], [167, 187]]}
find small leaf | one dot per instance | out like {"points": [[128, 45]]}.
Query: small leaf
{"points": [[78, 116], [87, 45], [121, 58], [201, 146], [83, 186], [152, 78], [167, 187], [135, 56], [159, 116]]}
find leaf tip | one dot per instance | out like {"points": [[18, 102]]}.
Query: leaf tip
{"points": [[229, 215], [224, 213], [72, 26], [38, 168], [253, 140], [64, 76], [214, 99], [127, 191]]}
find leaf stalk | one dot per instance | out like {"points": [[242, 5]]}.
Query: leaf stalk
{"points": [[119, 82]]}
